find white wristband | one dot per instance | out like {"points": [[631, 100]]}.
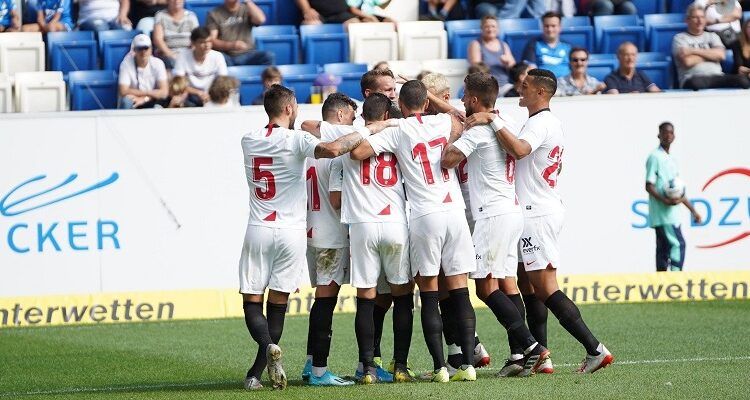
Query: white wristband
{"points": [[497, 124]]}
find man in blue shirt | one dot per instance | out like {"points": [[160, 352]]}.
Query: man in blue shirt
{"points": [[547, 51], [10, 19], [663, 213]]}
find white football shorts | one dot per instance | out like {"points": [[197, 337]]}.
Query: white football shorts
{"points": [[539, 245], [379, 248], [441, 239], [496, 246], [272, 258], [327, 266]]}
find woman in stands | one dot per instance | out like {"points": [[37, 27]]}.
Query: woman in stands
{"points": [[492, 51], [741, 51], [172, 30]]}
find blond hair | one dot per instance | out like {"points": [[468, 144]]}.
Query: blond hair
{"points": [[436, 83], [178, 85]]}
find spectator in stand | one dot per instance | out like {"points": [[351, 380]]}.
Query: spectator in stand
{"points": [[51, 16], [726, 26], [368, 10], [548, 51], [172, 31], [222, 91], [201, 66], [626, 78], [102, 15], [231, 25], [698, 55], [315, 12], [143, 79], [270, 76], [502, 9], [609, 7], [579, 82], [178, 93], [142, 13], [517, 75], [10, 18], [445, 10], [492, 51], [741, 51], [566, 8]]}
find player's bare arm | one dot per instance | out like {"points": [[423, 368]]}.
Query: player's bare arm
{"points": [[363, 151], [311, 127], [651, 189], [518, 148], [452, 156], [457, 128], [335, 198], [341, 145]]}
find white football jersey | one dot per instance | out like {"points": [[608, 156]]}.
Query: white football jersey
{"points": [[492, 172], [324, 227], [418, 144], [462, 172], [275, 170], [536, 174]]}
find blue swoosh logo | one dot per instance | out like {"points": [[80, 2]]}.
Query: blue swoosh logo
{"points": [[7, 209]]}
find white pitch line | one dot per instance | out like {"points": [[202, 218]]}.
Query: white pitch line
{"points": [[110, 389]]}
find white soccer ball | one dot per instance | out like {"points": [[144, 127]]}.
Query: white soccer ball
{"points": [[675, 189]]}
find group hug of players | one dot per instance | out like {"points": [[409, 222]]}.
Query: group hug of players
{"points": [[333, 196]]}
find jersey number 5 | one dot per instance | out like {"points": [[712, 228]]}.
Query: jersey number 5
{"points": [[260, 175]]}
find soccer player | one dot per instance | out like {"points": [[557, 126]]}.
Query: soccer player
{"points": [[273, 252], [327, 245], [663, 214], [498, 217], [438, 233], [538, 150]]}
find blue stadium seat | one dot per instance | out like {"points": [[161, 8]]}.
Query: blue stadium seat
{"points": [[350, 75], [658, 67], [251, 83], [281, 40], [460, 33], [679, 6], [71, 51], [661, 28], [324, 44], [612, 30], [202, 7], [601, 65], [728, 64], [518, 31], [649, 6], [578, 32], [269, 8], [113, 46], [299, 77], [746, 16], [287, 13], [92, 90]]}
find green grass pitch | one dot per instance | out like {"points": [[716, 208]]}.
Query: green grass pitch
{"points": [[668, 350]]}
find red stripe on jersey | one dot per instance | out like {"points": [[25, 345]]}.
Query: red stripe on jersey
{"points": [[448, 198], [386, 210], [309, 232], [269, 128], [270, 217], [419, 117]]}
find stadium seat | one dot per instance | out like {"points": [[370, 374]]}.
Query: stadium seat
{"points": [[453, 69], [202, 7], [39, 91], [299, 77], [601, 65], [372, 42], [281, 40], [578, 32], [728, 64], [612, 30], [460, 34], [422, 40], [649, 6], [113, 46], [661, 28], [6, 94], [287, 12], [746, 16], [324, 44], [92, 90], [21, 52], [658, 67], [350, 75], [517, 32], [72, 51], [679, 6], [409, 69], [269, 8], [251, 83]]}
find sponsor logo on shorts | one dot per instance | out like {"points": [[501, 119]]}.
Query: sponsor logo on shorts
{"points": [[527, 247]]}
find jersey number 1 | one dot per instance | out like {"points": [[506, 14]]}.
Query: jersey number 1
{"points": [[313, 202]]}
